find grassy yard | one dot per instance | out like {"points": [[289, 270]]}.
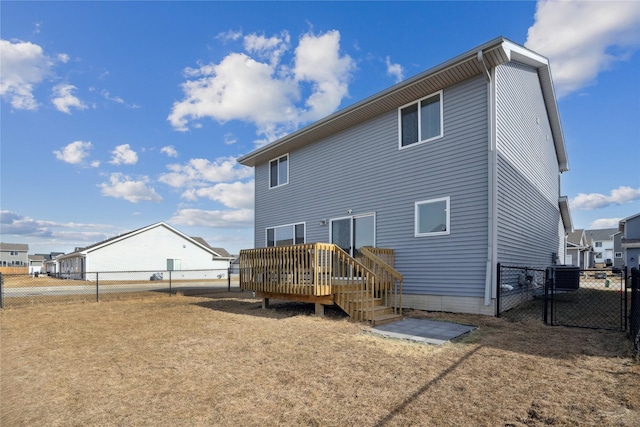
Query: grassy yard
{"points": [[222, 360]]}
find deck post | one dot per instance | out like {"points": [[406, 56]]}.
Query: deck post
{"points": [[265, 303], [319, 310]]}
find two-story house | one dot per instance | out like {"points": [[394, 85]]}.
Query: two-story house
{"points": [[14, 256], [602, 242], [455, 170]]}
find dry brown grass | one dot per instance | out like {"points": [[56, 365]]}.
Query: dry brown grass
{"points": [[225, 361]]}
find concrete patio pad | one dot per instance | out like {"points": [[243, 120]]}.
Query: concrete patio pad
{"points": [[423, 330]]}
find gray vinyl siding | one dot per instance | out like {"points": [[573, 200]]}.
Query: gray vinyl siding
{"points": [[529, 224], [361, 169]]}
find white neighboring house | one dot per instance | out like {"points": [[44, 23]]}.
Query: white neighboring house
{"points": [[601, 240], [140, 253], [35, 264]]}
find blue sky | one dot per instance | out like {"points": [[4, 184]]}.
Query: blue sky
{"points": [[117, 115]]}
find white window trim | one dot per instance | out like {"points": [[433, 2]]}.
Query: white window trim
{"points": [[353, 217], [400, 146], [293, 224], [448, 217], [288, 166]]}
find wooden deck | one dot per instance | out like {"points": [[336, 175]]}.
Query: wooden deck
{"points": [[367, 289]]}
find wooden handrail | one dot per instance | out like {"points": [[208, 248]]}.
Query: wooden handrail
{"points": [[388, 279], [368, 253]]}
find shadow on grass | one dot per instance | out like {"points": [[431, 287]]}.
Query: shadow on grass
{"points": [[424, 389], [244, 303]]}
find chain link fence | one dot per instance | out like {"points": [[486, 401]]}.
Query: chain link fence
{"points": [[589, 299], [634, 312], [564, 296], [18, 290], [521, 293]]}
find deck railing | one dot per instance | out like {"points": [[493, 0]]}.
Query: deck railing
{"points": [[323, 269], [388, 280]]}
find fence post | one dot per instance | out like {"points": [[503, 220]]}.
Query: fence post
{"points": [[97, 290], [498, 290], [229, 279], [1, 289], [169, 282]]}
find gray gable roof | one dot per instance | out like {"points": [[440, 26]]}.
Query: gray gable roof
{"points": [[462, 67], [23, 247], [220, 251], [575, 237], [600, 234]]}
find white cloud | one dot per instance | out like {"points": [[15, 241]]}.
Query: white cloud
{"points": [[394, 70], [236, 195], [24, 65], [169, 150], [229, 35], [241, 218], [64, 99], [318, 61], [63, 57], [74, 153], [583, 38], [271, 48], [200, 172], [605, 223], [123, 154], [265, 91], [123, 187], [12, 223], [618, 196], [115, 99]]}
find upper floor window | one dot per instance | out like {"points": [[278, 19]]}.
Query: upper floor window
{"points": [[279, 171], [285, 235], [421, 121], [14, 253], [432, 217], [598, 244]]}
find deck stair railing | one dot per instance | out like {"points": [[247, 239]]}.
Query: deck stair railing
{"points": [[388, 280], [320, 269]]}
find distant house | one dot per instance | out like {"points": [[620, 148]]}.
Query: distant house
{"points": [[155, 248], [630, 230], [453, 171], [50, 264], [14, 257], [35, 264], [601, 240], [578, 249]]}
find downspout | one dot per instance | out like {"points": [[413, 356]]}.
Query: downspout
{"points": [[492, 161]]}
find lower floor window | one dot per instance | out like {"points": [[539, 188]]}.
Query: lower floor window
{"points": [[432, 217], [291, 234]]}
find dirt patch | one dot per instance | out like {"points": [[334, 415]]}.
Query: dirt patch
{"points": [[222, 360]]}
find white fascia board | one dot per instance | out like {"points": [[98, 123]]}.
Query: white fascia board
{"points": [[523, 55], [565, 213]]}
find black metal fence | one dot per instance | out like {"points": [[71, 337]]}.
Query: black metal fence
{"points": [[521, 292], [23, 289], [563, 295], [634, 312]]}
